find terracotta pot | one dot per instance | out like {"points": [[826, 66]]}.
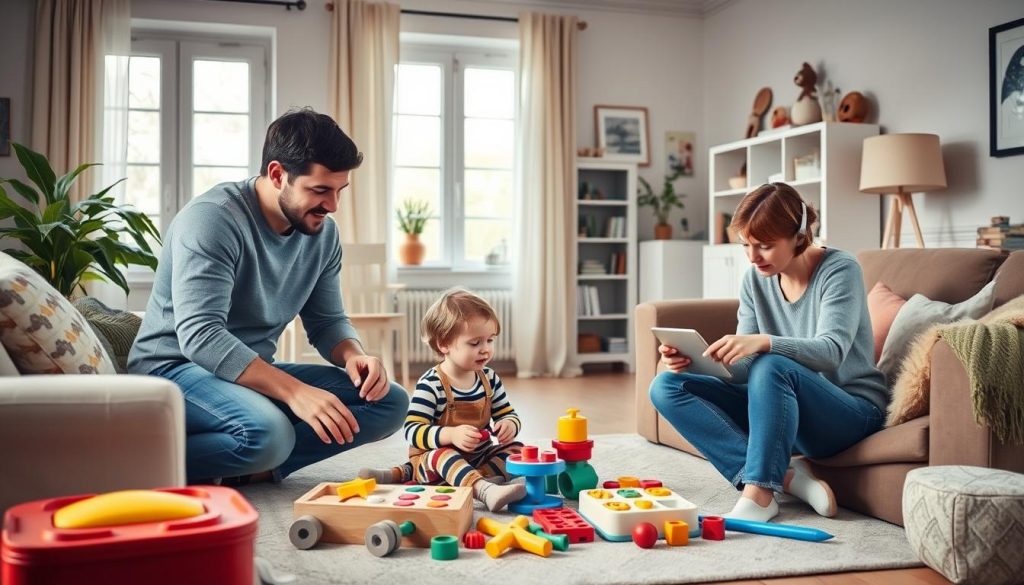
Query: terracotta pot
{"points": [[412, 250], [662, 231]]}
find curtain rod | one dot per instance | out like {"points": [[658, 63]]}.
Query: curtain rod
{"points": [[299, 4], [581, 25]]}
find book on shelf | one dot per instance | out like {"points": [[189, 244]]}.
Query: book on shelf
{"points": [[588, 301], [591, 267], [616, 345], [617, 263], [1001, 235], [615, 227]]}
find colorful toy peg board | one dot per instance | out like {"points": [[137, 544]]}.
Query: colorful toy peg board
{"points": [[614, 513]]}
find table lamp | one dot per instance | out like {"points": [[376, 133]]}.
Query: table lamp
{"points": [[900, 165]]}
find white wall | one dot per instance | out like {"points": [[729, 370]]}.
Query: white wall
{"points": [[924, 63]]}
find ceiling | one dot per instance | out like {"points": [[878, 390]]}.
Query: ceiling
{"points": [[692, 8]]}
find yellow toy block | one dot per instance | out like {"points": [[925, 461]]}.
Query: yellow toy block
{"points": [[572, 428], [356, 487], [512, 535], [677, 533]]}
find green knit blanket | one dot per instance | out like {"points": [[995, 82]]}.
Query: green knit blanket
{"points": [[992, 352]]}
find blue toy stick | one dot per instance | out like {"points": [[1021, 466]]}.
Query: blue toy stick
{"points": [[771, 529]]}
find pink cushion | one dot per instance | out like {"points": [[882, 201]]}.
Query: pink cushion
{"points": [[883, 304]]}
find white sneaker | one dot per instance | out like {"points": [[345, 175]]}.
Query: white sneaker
{"points": [[815, 492]]}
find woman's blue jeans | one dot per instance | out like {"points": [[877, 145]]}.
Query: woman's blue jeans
{"points": [[749, 431], [232, 430]]}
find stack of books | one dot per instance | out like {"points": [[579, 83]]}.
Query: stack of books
{"points": [[617, 263], [616, 227], [593, 267], [1001, 235], [587, 301], [617, 345]]}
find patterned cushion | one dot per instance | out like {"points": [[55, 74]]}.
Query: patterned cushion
{"points": [[116, 329], [967, 522], [40, 329]]}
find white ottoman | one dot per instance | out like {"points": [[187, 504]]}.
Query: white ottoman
{"points": [[967, 522]]}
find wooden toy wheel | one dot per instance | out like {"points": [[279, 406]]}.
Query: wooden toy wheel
{"points": [[305, 532]]}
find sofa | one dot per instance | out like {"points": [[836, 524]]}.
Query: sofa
{"points": [[73, 434], [869, 476]]}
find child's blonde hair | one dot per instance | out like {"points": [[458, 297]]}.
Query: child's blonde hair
{"points": [[447, 317]]}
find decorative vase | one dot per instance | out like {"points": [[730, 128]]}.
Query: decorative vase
{"points": [[805, 111], [662, 231], [412, 250]]}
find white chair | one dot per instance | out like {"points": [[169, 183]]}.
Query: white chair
{"points": [[369, 304]]}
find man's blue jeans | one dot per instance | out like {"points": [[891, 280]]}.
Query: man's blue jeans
{"points": [[232, 430], [749, 431]]}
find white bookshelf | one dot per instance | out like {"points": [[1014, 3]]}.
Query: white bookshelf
{"points": [[596, 241], [848, 219]]}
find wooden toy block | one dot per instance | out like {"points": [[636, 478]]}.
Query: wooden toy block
{"points": [[615, 513], [435, 511], [677, 533], [356, 487], [713, 528], [512, 535], [564, 521]]}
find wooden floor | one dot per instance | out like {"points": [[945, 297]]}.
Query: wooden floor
{"points": [[607, 402]]}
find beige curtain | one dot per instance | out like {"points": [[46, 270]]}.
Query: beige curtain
{"points": [[72, 37], [546, 148], [361, 81]]}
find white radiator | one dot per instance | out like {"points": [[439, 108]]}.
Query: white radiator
{"points": [[415, 302]]}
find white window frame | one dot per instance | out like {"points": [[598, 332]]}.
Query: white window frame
{"points": [[176, 52], [453, 60]]}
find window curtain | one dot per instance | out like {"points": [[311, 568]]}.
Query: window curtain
{"points": [[73, 38], [361, 82], [546, 151]]}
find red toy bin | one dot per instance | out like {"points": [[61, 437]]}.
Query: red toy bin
{"points": [[215, 547]]}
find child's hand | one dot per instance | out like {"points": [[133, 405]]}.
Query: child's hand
{"points": [[464, 437], [505, 430]]}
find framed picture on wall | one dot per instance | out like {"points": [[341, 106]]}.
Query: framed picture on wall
{"points": [[623, 133], [1006, 88], [5, 126]]}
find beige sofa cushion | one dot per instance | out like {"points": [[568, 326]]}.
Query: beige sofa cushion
{"points": [[41, 331], [905, 443]]}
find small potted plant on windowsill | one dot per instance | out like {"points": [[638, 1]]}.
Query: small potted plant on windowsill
{"points": [[662, 204], [412, 217]]}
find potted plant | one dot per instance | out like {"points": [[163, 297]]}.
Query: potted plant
{"points": [[72, 243], [412, 217], [662, 204]]}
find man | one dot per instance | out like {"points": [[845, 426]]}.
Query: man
{"points": [[239, 263]]}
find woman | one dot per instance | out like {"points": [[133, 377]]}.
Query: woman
{"points": [[804, 378]]}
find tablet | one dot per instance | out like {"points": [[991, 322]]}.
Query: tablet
{"points": [[690, 343]]}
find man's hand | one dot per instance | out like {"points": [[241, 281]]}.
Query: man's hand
{"points": [[464, 437], [505, 430], [368, 374], [732, 348], [672, 359], [328, 416]]}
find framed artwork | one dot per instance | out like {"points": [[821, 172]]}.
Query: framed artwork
{"points": [[1006, 88], [623, 133], [5, 126], [680, 148]]}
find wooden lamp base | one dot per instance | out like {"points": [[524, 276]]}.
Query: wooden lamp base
{"points": [[900, 201]]}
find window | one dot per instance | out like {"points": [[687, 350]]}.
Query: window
{"points": [[195, 112], [454, 132]]}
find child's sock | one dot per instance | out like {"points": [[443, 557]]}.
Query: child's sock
{"points": [[500, 479], [747, 509], [394, 475], [804, 485], [495, 497]]}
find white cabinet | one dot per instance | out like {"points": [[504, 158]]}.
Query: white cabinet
{"points": [[671, 269], [724, 268], [606, 262], [821, 161]]}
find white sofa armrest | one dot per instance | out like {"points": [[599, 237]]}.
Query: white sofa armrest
{"points": [[73, 434]]}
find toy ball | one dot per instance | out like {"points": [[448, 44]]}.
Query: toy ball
{"points": [[645, 535], [854, 107]]}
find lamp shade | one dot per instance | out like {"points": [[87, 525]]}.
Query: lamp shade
{"points": [[910, 161]]}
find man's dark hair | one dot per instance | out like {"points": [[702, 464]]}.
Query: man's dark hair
{"points": [[302, 137]]}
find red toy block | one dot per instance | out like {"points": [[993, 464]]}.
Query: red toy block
{"points": [[565, 521], [649, 483], [581, 451], [528, 454], [645, 535], [610, 485], [713, 528], [547, 456], [485, 435], [473, 539]]}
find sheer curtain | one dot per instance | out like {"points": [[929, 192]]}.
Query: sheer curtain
{"points": [[361, 84], [69, 83], [546, 152]]}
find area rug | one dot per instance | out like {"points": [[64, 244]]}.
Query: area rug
{"points": [[860, 543]]}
